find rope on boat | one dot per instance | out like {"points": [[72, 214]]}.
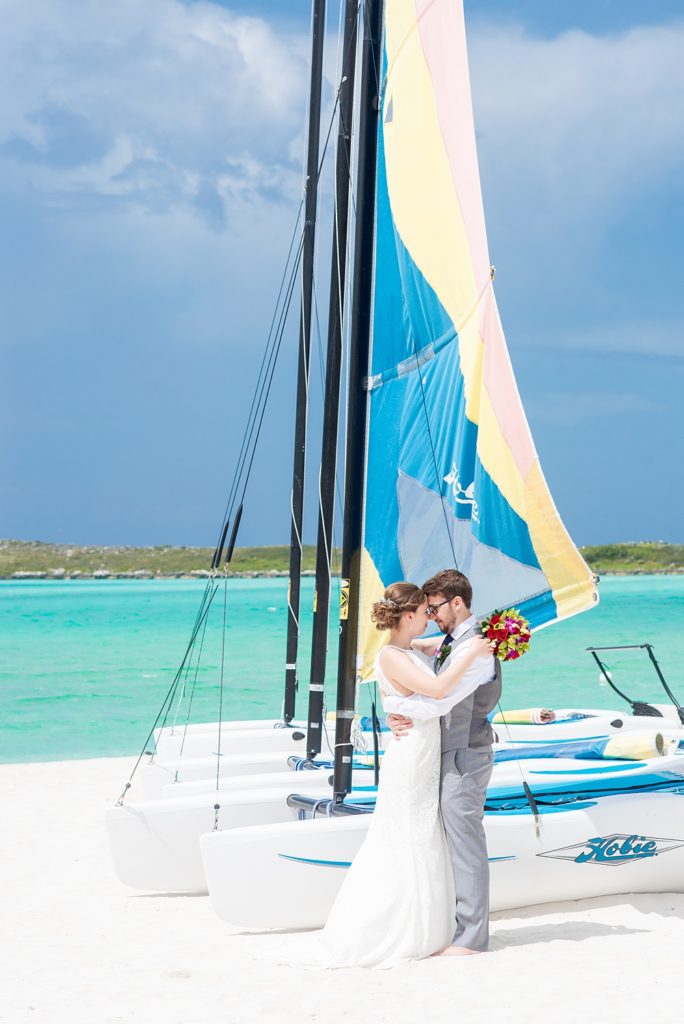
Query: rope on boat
{"points": [[169, 696], [245, 459], [192, 692], [223, 658], [529, 796]]}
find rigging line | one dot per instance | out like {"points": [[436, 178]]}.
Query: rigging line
{"points": [[321, 365], [193, 634], [223, 657], [350, 178], [350, 186], [338, 488], [180, 696], [275, 347], [438, 479], [326, 545], [260, 399], [301, 549], [242, 478], [345, 331], [285, 313], [182, 692], [469, 313], [194, 684], [258, 391], [305, 352], [269, 360], [525, 785], [188, 654], [340, 305], [168, 695]]}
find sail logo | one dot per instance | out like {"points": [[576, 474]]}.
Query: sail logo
{"points": [[462, 495], [614, 850]]}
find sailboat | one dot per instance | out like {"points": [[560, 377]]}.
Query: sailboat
{"points": [[194, 770], [441, 470]]}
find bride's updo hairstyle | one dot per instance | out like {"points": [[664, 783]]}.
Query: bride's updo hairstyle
{"points": [[399, 598]]}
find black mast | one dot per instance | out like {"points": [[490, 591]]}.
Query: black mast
{"points": [[312, 157], [357, 402], [332, 381]]}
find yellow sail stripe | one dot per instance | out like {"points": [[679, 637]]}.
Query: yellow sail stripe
{"points": [[428, 218]]}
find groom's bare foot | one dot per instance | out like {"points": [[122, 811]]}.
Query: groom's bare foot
{"points": [[459, 951]]}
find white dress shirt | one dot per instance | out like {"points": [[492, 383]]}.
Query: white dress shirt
{"points": [[420, 707]]}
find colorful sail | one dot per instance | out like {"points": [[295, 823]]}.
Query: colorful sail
{"points": [[453, 477]]}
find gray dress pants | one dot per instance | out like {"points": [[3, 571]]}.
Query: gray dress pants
{"points": [[465, 775]]}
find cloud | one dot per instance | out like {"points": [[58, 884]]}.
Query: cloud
{"points": [[154, 103], [582, 123], [582, 162]]}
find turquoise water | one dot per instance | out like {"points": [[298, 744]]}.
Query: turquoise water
{"points": [[85, 665]]}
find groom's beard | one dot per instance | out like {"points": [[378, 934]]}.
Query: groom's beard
{"points": [[446, 627]]}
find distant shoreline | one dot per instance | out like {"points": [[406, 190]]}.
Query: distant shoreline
{"points": [[37, 560], [195, 574], [200, 574]]}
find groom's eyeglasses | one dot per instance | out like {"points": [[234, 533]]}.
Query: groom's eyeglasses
{"points": [[433, 608]]}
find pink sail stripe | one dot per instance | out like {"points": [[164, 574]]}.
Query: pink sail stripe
{"points": [[440, 24], [499, 381], [442, 33]]}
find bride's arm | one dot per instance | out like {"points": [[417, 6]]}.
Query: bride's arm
{"points": [[408, 678], [427, 645]]}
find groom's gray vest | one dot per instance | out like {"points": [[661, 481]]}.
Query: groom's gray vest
{"points": [[466, 725]]}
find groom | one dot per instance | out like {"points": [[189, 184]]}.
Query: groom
{"points": [[466, 753]]}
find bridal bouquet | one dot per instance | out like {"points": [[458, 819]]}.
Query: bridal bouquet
{"points": [[509, 632]]}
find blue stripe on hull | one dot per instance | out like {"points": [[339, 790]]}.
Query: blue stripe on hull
{"points": [[313, 860], [347, 863]]}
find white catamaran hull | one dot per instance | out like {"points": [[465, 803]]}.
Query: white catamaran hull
{"points": [[209, 741], [584, 723], [289, 780], [262, 736], [153, 776], [288, 875], [229, 726], [154, 844]]}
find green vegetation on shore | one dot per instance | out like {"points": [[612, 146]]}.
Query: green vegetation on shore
{"points": [[70, 560], [58, 561], [641, 557]]}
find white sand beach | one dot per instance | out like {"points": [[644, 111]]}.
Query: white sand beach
{"points": [[81, 948]]}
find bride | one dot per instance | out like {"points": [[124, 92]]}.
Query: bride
{"points": [[397, 900]]}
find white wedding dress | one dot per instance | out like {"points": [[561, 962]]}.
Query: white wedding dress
{"points": [[397, 900]]}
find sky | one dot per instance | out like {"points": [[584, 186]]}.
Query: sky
{"points": [[150, 174]]}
